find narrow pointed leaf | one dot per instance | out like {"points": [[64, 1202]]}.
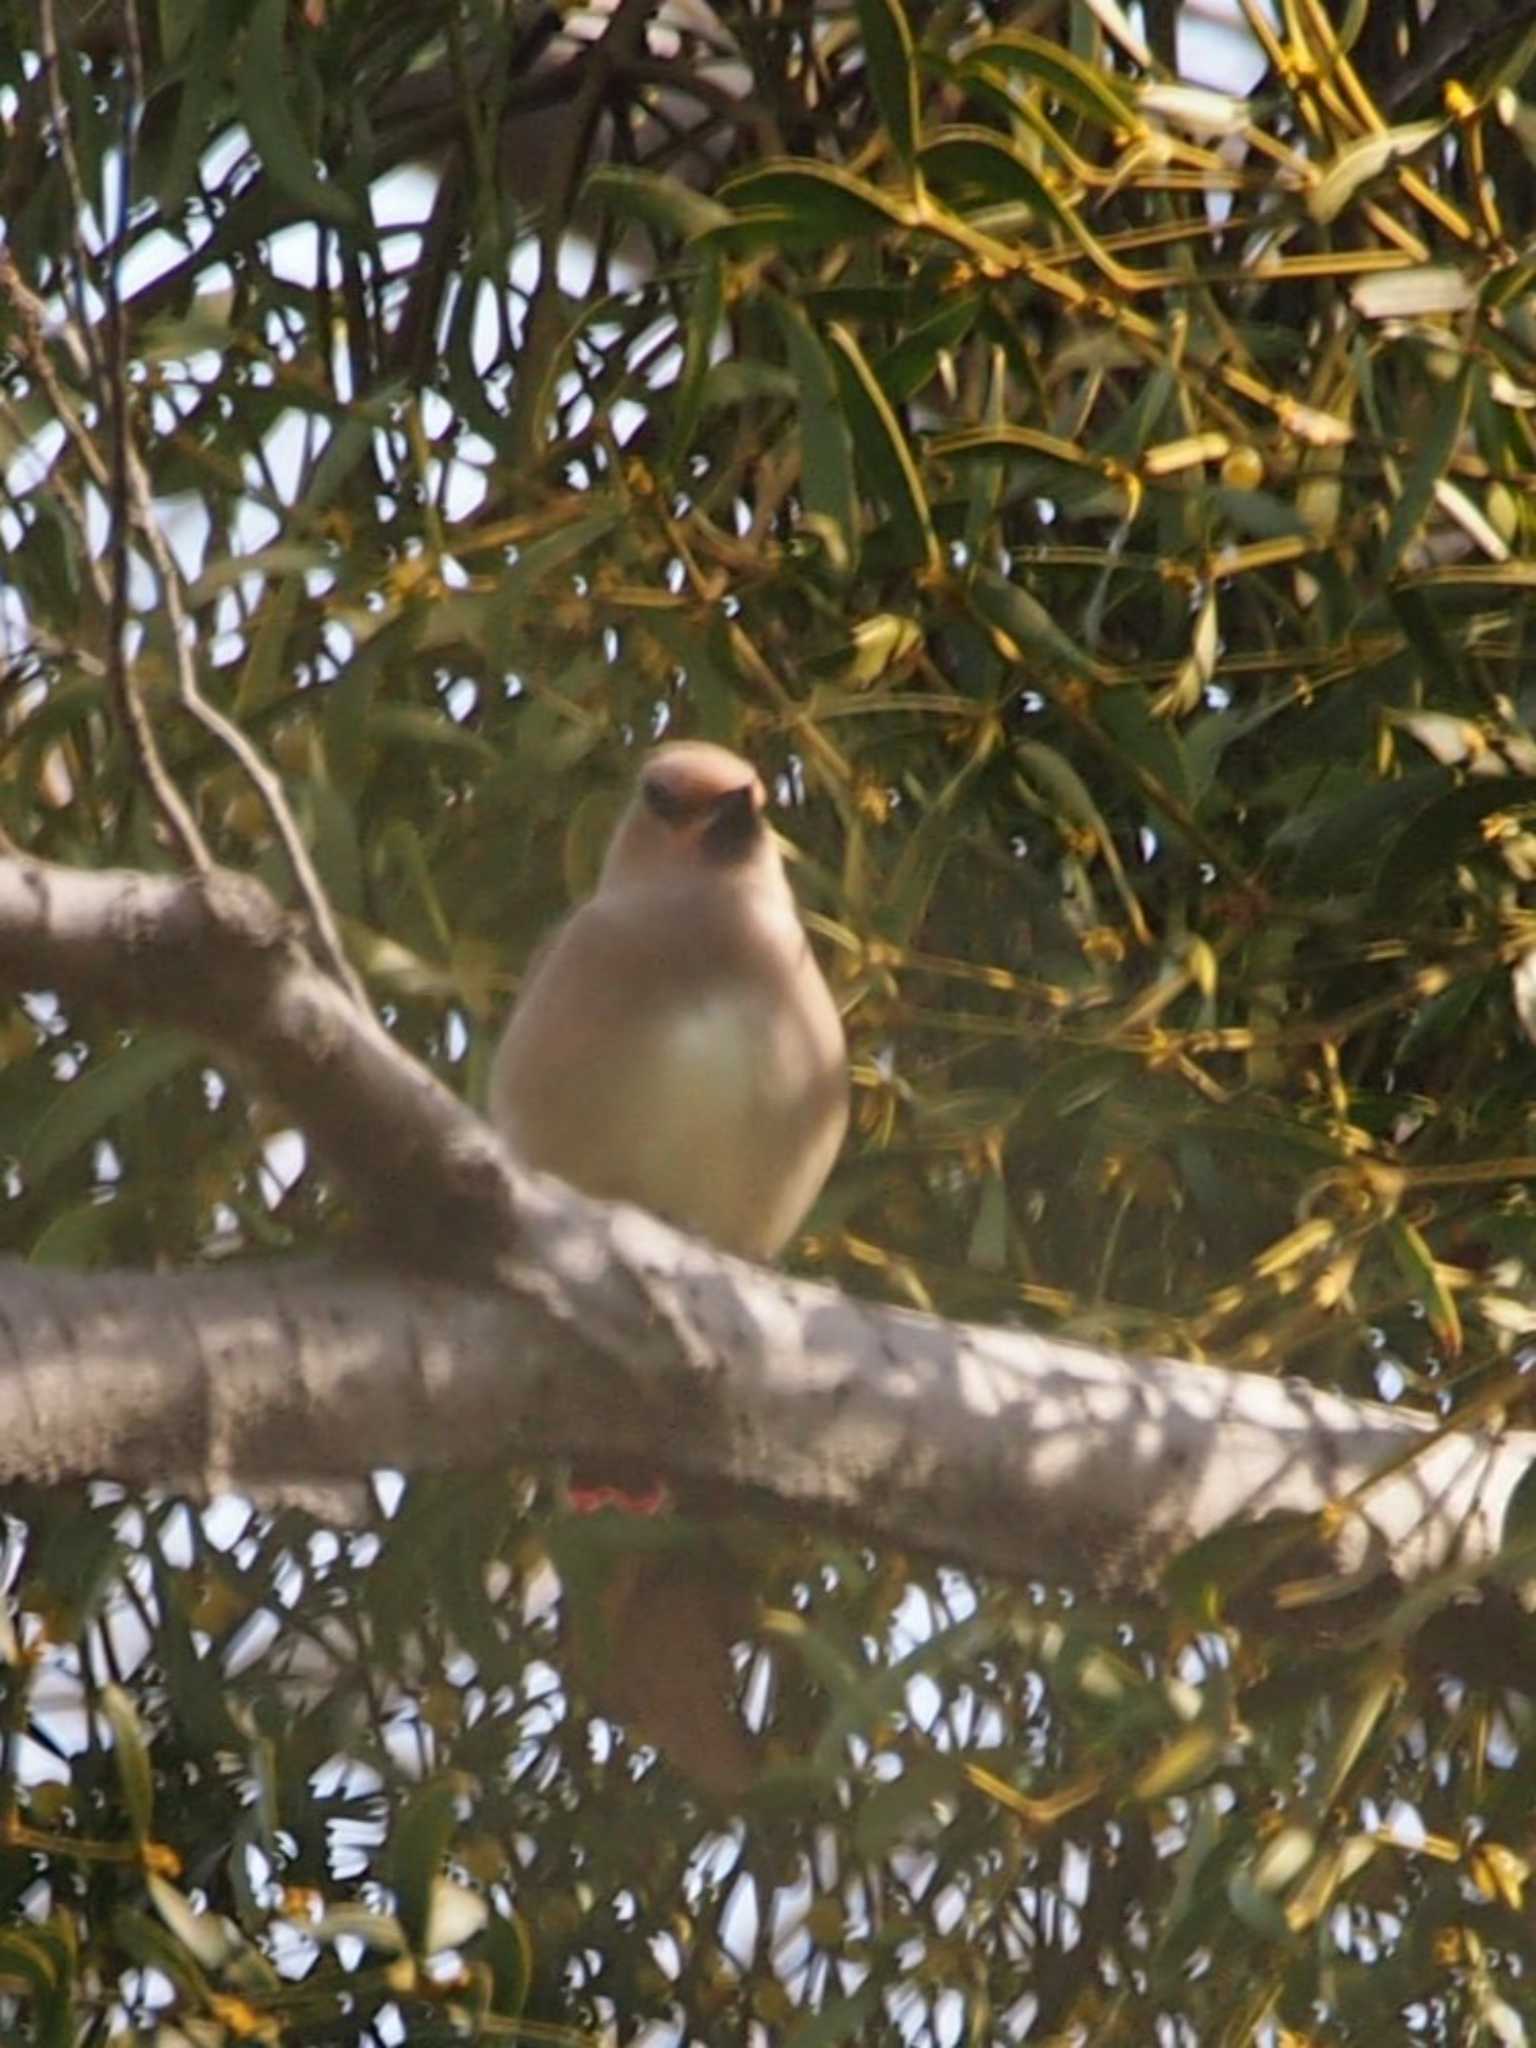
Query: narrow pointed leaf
{"points": [[882, 447], [266, 107], [828, 487], [892, 65], [815, 204], [907, 366], [1026, 622], [422, 1834], [1358, 162], [1436, 447], [666, 204], [82, 1109], [131, 1752], [1084, 88], [706, 303]]}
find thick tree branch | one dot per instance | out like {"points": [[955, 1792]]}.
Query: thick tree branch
{"points": [[1009, 1452], [584, 1330], [215, 954]]}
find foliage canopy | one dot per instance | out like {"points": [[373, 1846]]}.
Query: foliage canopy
{"points": [[1106, 504]]}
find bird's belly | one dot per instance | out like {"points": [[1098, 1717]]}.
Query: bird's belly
{"points": [[704, 1117], [694, 1130]]}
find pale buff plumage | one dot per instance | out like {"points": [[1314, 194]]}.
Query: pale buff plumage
{"points": [[676, 1045]]}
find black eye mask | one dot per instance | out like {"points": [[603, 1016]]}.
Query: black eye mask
{"points": [[733, 825], [734, 828]]}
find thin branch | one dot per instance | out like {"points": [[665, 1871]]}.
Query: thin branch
{"points": [[64, 136], [622, 42], [140, 510], [264, 779], [1447, 42], [59, 485], [127, 488], [149, 763], [578, 1328]]}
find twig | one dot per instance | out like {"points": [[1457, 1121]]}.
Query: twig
{"points": [[143, 744], [622, 42], [1448, 38], [263, 779], [59, 485], [140, 734], [127, 488], [64, 136]]}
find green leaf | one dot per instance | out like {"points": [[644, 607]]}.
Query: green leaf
{"points": [[148, 1944], [1084, 87], [1260, 1911], [520, 582], [83, 1234], [809, 205], [883, 450], [979, 164], [283, 558], [1517, 1532], [1436, 444], [380, 1931], [422, 1834], [330, 828], [657, 201], [1064, 790], [828, 487], [264, 82], [987, 444], [131, 1752], [1187, 1760], [1152, 743], [80, 1109], [1026, 622], [1443, 1019], [1440, 833], [413, 725], [34, 1960], [706, 305], [506, 1946], [909, 363], [207, 1937], [46, 1963], [902, 1811], [987, 1248], [351, 438], [892, 63], [843, 2019], [203, 84], [46, 566], [1358, 162], [701, 649], [745, 383], [1420, 1269], [1345, 827]]}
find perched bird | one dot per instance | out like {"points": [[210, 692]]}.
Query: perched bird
{"points": [[675, 1045]]}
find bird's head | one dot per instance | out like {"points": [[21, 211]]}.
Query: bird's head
{"points": [[698, 810]]}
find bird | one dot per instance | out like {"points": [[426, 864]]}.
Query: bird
{"points": [[675, 1044]]}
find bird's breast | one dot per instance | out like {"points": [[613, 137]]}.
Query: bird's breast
{"points": [[702, 1074], [704, 1078]]}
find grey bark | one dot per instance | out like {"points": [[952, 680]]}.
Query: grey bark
{"points": [[555, 1327]]}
